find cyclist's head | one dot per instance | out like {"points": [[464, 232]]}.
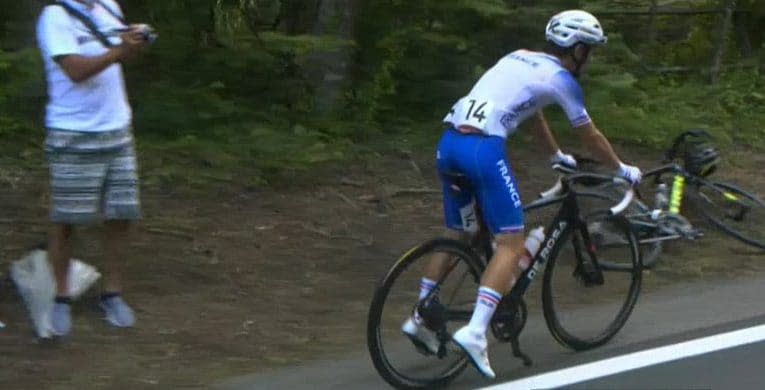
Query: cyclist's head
{"points": [[572, 34]]}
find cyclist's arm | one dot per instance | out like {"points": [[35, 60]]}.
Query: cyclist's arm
{"points": [[569, 96], [542, 133], [598, 145]]}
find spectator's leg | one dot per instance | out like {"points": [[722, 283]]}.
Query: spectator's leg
{"points": [[115, 248], [117, 311], [59, 253], [121, 207], [76, 182]]}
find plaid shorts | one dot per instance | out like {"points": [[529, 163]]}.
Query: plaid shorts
{"points": [[92, 175]]}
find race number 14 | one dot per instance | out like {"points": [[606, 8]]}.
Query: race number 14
{"points": [[477, 111]]}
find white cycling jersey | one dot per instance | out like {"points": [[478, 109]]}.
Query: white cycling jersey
{"points": [[517, 86]]}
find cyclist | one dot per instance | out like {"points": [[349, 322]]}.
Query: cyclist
{"points": [[516, 88]]}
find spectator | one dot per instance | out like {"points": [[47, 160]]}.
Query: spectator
{"points": [[89, 143]]}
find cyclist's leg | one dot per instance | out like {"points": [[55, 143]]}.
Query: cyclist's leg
{"points": [[458, 207], [501, 204]]}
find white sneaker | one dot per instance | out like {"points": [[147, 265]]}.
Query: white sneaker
{"points": [[475, 347], [424, 339]]}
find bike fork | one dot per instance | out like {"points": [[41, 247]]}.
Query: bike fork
{"points": [[587, 263]]}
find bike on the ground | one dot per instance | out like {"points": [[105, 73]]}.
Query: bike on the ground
{"points": [[569, 259], [688, 164]]}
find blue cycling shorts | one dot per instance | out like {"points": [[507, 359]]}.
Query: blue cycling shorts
{"points": [[482, 159]]}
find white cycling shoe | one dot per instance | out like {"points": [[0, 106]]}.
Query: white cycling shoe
{"points": [[424, 339], [475, 347]]}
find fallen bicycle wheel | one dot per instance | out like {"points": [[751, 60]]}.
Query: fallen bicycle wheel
{"points": [[733, 210]]}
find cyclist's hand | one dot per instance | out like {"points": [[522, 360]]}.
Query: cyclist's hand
{"points": [[631, 173], [561, 158]]}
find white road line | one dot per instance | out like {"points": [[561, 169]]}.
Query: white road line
{"points": [[649, 357]]}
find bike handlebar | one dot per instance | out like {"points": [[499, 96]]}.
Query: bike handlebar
{"points": [[658, 171], [571, 176]]}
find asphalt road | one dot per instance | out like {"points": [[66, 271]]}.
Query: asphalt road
{"points": [[672, 315]]}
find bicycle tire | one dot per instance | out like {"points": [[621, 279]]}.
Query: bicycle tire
{"points": [[382, 363], [567, 337], [645, 229], [722, 194]]}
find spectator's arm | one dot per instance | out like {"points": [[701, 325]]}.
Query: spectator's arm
{"points": [[80, 68]]}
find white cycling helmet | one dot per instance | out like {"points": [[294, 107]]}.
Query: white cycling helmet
{"points": [[568, 28]]}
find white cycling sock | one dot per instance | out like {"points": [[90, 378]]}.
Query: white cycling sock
{"points": [[426, 286], [485, 305]]}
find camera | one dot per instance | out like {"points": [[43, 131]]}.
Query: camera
{"points": [[147, 32]]}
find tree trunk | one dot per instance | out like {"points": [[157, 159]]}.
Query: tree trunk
{"points": [[329, 70], [742, 31], [722, 41], [651, 41]]}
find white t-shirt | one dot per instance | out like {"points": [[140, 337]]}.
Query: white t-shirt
{"points": [[517, 86], [98, 103]]}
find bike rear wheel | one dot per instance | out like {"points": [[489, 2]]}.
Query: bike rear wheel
{"points": [[394, 356], [585, 301], [733, 210]]}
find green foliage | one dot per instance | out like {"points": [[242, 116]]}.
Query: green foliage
{"points": [[284, 84], [21, 94]]}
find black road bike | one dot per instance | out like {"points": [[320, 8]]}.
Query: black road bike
{"points": [[568, 257]]}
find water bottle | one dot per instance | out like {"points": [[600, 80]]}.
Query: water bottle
{"points": [[661, 199], [533, 242]]}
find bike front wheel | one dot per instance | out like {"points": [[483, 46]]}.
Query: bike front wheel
{"points": [[397, 359], [588, 291]]}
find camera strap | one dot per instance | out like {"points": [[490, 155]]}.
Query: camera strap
{"points": [[114, 13], [89, 23]]}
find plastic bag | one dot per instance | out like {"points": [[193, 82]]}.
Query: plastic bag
{"points": [[34, 280]]}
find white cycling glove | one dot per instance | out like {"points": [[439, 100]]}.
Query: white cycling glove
{"points": [[564, 159], [631, 173]]}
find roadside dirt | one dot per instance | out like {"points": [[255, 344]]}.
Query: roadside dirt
{"points": [[235, 281]]}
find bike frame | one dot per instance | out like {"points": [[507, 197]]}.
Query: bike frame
{"points": [[680, 177], [566, 220]]}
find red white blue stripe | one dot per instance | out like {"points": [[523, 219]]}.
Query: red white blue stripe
{"points": [[488, 297]]}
